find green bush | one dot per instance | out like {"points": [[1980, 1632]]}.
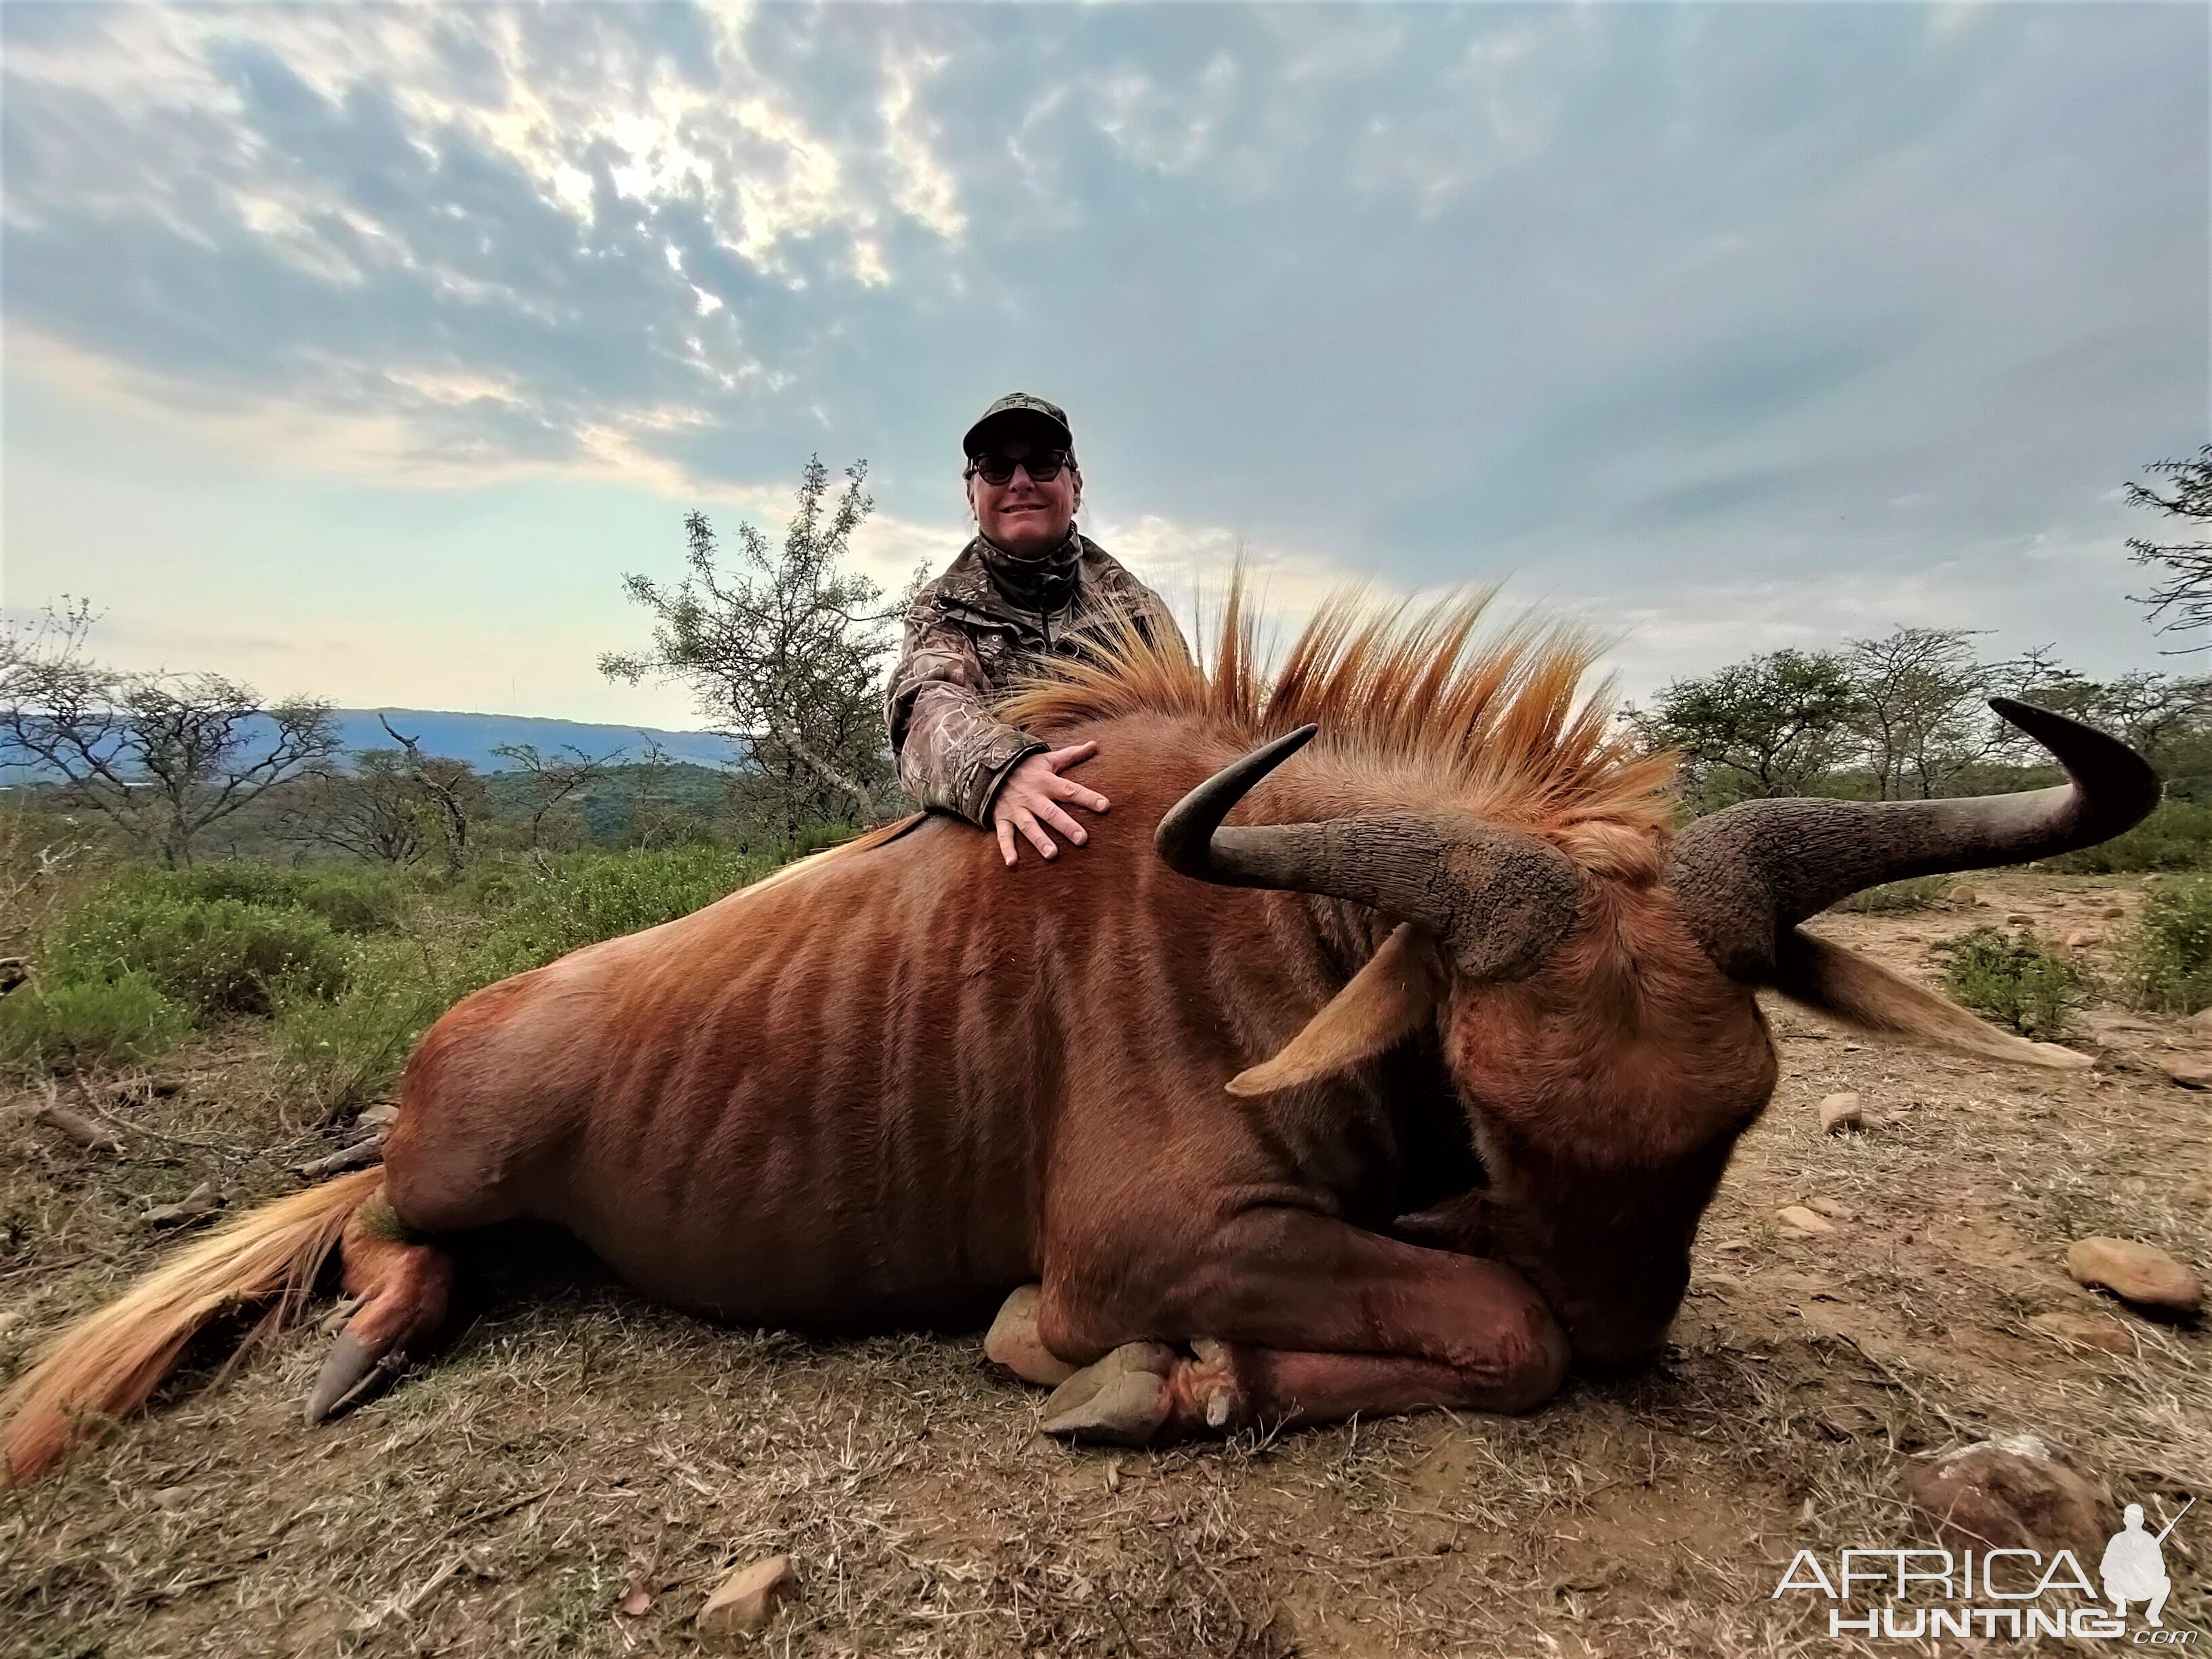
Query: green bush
{"points": [[564, 903], [2177, 835], [351, 901], [2168, 956], [1917, 894], [112, 1022], [2012, 977], [218, 956], [339, 1054]]}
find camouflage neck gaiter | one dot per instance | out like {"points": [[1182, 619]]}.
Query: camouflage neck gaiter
{"points": [[1044, 583]]}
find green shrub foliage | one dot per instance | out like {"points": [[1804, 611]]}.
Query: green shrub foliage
{"points": [[114, 1022], [219, 956], [2169, 956], [2011, 977]]}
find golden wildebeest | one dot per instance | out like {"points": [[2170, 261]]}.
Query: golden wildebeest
{"points": [[1447, 957]]}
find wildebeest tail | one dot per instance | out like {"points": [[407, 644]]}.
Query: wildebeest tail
{"points": [[110, 1361]]}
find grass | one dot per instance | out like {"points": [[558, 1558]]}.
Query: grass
{"points": [[2012, 977], [556, 905], [217, 956], [2177, 835], [2169, 956], [123, 1021], [352, 901], [337, 1054]]}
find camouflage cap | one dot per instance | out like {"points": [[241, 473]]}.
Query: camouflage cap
{"points": [[1018, 403]]}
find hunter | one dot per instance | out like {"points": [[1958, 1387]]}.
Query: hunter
{"points": [[1028, 585]]}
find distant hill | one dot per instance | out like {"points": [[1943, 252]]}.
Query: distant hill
{"points": [[472, 738]]}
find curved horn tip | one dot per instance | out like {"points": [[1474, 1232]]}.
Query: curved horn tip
{"points": [[1185, 834]]}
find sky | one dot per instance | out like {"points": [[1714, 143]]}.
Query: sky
{"points": [[360, 350]]}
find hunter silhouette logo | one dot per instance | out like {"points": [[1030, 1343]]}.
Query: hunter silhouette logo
{"points": [[2133, 1567], [1921, 1592]]}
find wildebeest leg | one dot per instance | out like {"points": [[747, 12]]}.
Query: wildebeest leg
{"points": [[404, 1283], [1302, 1319]]}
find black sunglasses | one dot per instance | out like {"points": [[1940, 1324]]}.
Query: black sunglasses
{"points": [[1042, 467]]}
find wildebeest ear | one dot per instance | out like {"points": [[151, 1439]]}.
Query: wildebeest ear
{"points": [[1848, 988], [1394, 994]]}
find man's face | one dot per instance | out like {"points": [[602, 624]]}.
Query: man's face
{"points": [[1022, 515]]}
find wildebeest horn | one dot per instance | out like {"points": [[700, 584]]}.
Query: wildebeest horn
{"points": [[1743, 876], [1498, 900]]}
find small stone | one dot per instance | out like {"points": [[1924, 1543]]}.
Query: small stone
{"points": [[2020, 919], [2200, 1022], [1803, 1220], [748, 1598], [1830, 1208], [2014, 1492], [2083, 1331], [2140, 1274], [2081, 940], [1840, 1113], [637, 1600], [1012, 1341], [1981, 903], [202, 1200], [377, 1116], [2114, 913], [2190, 1068]]}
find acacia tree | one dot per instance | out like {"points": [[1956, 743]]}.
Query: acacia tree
{"points": [[1772, 725], [2184, 598], [554, 775], [784, 652], [449, 797], [1921, 708], [373, 810], [162, 756]]}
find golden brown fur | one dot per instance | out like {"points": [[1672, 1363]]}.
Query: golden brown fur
{"points": [[897, 1076]]}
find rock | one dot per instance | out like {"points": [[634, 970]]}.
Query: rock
{"points": [[2014, 1492], [1981, 903], [637, 1600], [1803, 1220], [1012, 1341], [2081, 940], [2083, 1331], [2140, 1274], [2200, 1022], [1842, 1112], [749, 1598], [1830, 1208], [378, 1117], [2114, 913], [2020, 919], [2190, 1067]]}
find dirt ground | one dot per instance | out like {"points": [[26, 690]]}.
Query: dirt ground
{"points": [[575, 1446]]}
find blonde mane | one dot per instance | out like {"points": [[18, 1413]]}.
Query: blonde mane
{"points": [[1499, 725]]}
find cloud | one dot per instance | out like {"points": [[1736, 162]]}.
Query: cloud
{"points": [[1661, 311]]}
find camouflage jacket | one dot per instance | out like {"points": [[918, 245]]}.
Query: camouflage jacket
{"points": [[968, 633]]}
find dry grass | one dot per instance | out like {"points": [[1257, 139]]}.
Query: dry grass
{"points": [[575, 1442]]}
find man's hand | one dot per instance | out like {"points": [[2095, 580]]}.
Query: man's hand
{"points": [[1029, 800]]}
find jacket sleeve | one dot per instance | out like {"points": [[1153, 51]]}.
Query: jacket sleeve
{"points": [[952, 753]]}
